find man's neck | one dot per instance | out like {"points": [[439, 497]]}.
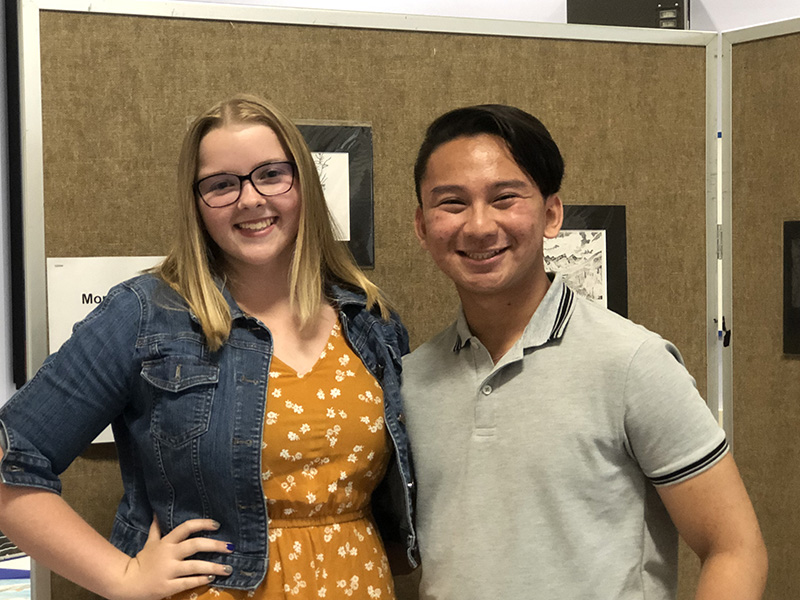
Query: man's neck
{"points": [[499, 320]]}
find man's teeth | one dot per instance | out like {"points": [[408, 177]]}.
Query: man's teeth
{"points": [[256, 225], [482, 255]]}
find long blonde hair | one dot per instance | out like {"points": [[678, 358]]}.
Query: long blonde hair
{"points": [[196, 260]]}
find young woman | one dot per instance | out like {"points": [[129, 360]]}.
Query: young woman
{"points": [[253, 385]]}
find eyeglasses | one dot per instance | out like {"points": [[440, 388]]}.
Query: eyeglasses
{"points": [[223, 189]]}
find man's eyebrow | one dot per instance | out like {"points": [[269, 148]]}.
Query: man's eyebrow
{"points": [[447, 189], [455, 188]]}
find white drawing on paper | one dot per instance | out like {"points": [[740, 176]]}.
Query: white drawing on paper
{"points": [[334, 174], [580, 256]]}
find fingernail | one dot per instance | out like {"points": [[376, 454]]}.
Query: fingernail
{"points": [[228, 569], [230, 547], [215, 524], [212, 577]]}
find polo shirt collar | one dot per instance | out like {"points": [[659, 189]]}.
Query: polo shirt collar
{"points": [[547, 324]]}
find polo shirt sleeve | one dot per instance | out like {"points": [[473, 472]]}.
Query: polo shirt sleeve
{"points": [[76, 393], [669, 428]]}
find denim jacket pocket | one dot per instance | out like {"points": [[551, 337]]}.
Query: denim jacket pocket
{"points": [[182, 397]]}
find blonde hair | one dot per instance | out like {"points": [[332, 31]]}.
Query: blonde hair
{"points": [[196, 260]]}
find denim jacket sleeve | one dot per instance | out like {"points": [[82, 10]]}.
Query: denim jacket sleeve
{"points": [[76, 393]]}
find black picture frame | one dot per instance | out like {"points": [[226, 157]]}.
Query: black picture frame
{"points": [[612, 220], [356, 141], [19, 342], [791, 287]]}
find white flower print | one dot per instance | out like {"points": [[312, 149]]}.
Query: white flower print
{"points": [[320, 394], [321, 557], [374, 592], [322, 592], [285, 454], [377, 426], [305, 428], [342, 414], [342, 475], [274, 374], [309, 472], [293, 436], [330, 413], [358, 448], [332, 435], [332, 487], [323, 354], [276, 393], [266, 475], [289, 483], [348, 489], [344, 359], [214, 592], [350, 373], [277, 567], [298, 585], [311, 497], [336, 392], [352, 458], [272, 418], [295, 407], [368, 397], [369, 565], [330, 346], [371, 455]]}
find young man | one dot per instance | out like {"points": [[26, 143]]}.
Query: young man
{"points": [[559, 448]]}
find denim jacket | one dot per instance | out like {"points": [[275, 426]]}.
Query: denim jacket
{"points": [[188, 422]]}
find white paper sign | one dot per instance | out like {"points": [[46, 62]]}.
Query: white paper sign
{"points": [[77, 285], [334, 174]]}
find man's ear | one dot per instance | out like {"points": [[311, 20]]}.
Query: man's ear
{"points": [[554, 216], [419, 227]]}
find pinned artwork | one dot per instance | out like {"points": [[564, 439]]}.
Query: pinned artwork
{"points": [[591, 253], [343, 156], [791, 287]]}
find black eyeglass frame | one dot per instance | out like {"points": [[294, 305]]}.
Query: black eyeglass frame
{"points": [[248, 177]]}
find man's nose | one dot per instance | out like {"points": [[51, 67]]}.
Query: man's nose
{"points": [[480, 222]]}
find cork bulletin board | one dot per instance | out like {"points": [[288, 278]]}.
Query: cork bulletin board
{"points": [[766, 382], [118, 91]]}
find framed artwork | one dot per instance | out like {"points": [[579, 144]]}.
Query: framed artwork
{"points": [[343, 155], [591, 253], [791, 287]]}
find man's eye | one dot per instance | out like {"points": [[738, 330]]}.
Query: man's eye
{"points": [[504, 200]]}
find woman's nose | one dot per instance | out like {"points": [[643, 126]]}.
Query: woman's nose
{"points": [[249, 196]]}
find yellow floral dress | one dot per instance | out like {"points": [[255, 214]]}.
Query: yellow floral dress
{"points": [[324, 450]]}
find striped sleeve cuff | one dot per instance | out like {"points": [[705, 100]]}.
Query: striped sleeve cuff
{"points": [[693, 469]]}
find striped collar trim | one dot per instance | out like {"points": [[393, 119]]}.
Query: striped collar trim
{"points": [[547, 324]]}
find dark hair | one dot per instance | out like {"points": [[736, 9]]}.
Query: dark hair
{"points": [[528, 140]]}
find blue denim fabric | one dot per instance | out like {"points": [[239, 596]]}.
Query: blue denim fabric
{"points": [[188, 422]]}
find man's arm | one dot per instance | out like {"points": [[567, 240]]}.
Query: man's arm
{"points": [[713, 514]]}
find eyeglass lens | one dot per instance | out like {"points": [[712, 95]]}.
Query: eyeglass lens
{"points": [[270, 179]]}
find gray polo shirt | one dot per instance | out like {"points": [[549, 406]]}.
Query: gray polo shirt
{"points": [[537, 475]]}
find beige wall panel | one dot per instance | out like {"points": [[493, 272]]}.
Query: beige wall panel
{"points": [[119, 91], [766, 383]]}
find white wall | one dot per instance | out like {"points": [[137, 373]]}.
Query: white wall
{"points": [[6, 379], [714, 15], [708, 15]]}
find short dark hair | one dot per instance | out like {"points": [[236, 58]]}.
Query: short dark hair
{"points": [[527, 138]]}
